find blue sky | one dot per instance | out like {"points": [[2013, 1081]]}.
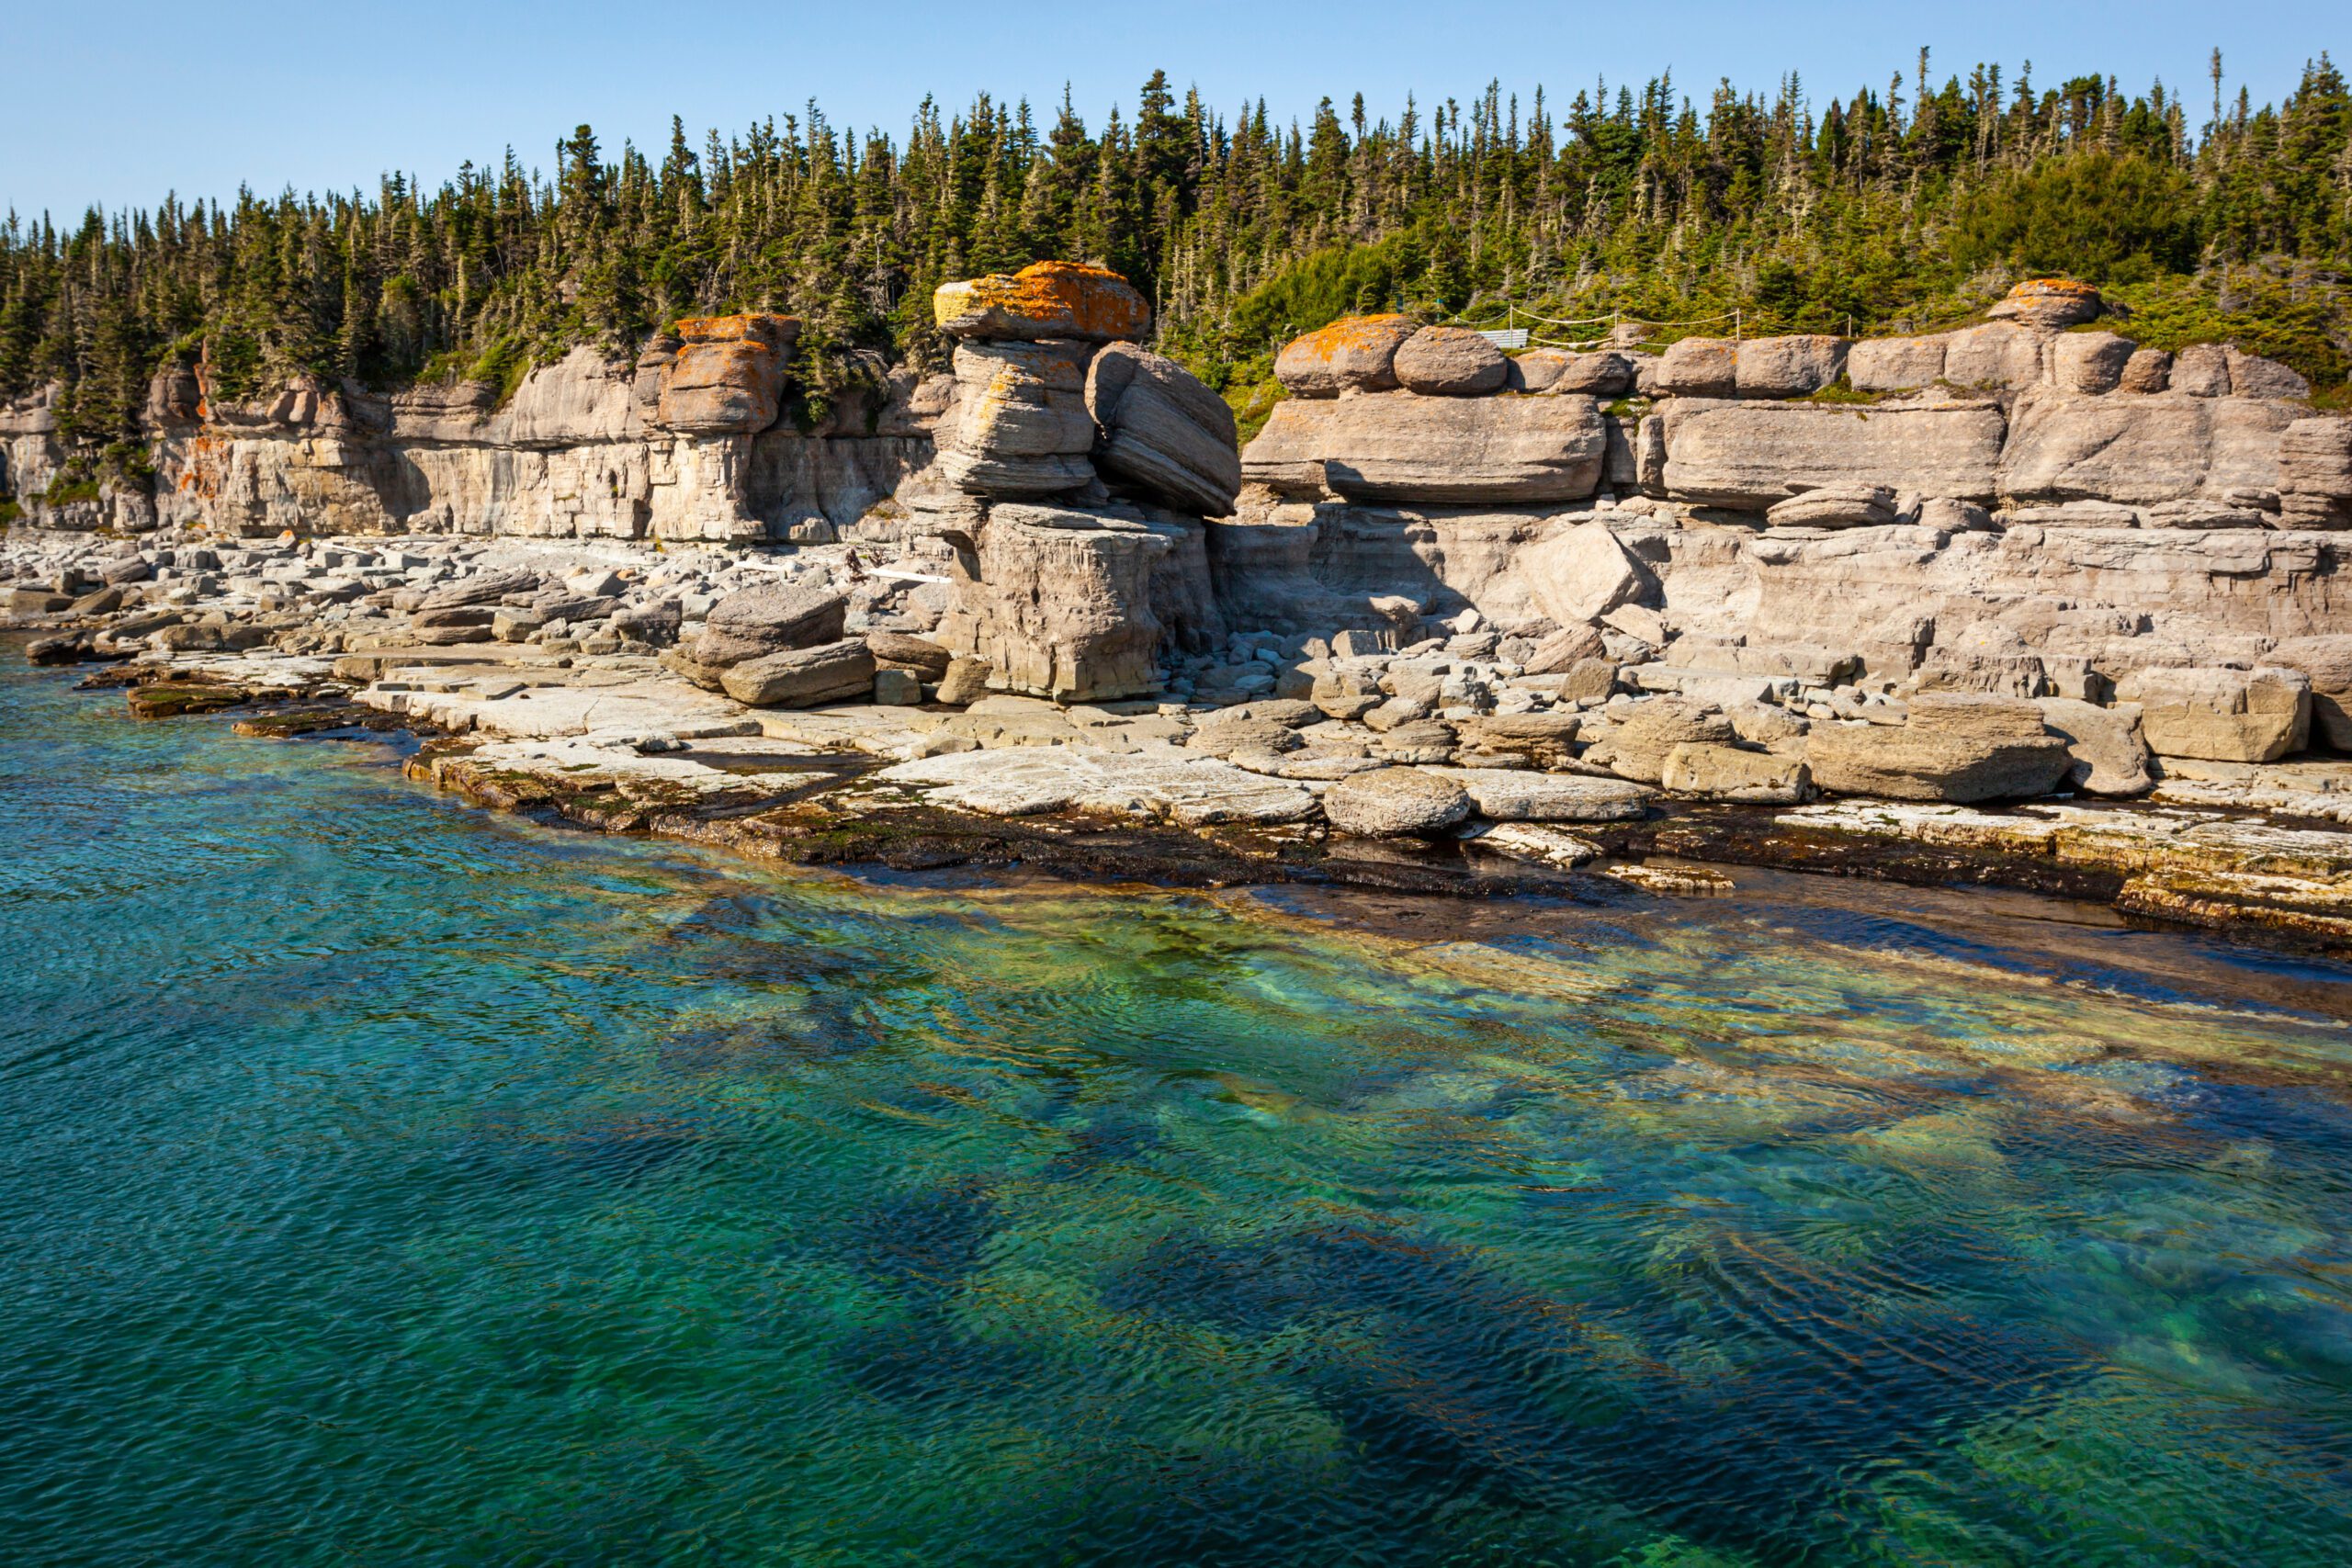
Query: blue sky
{"points": [[122, 102]]}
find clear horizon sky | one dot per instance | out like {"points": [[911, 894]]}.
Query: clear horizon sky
{"points": [[116, 107]]}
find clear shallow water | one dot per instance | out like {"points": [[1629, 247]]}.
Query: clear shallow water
{"points": [[386, 1183]]}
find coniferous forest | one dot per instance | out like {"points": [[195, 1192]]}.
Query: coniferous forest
{"points": [[1903, 207]]}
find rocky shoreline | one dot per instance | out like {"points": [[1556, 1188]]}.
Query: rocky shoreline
{"points": [[1167, 792], [2023, 605]]}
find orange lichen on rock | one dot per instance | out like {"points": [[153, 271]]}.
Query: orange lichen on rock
{"points": [[1043, 301], [728, 380], [1355, 353], [2051, 302], [753, 327], [2038, 287]]}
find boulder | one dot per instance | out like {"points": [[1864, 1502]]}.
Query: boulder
{"points": [[2315, 474], [1998, 355], [1546, 740], [896, 688], [1564, 649], [1699, 367], [1895, 363], [1450, 362], [965, 681], [1397, 447], [1955, 748], [2109, 757], [486, 588], [760, 621], [2201, 370], [1236, 730], [1795, 367], [1949, 516], [1509, 794], [1388, 803], [803, 677], [1160, 431], [2051, 302], [727, 378], [1535, 371], [1356, 354], [1058, 603], [1731, 772], [1750, 454], [2251, 376], [2140, 451], [1637, 746], [1020, 427], [2222, 715], [1834, 506], [2090, 363], [1602, 375], [2327, 659], [1581, 574], [899, 650], [1044, 301], [2147, 372]]}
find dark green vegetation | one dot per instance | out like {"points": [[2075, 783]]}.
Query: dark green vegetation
{"points": [[1908, 208]]}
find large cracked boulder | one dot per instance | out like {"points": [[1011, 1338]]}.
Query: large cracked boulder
{"points": [[2143, 451], [1044, 301], [1019, 427], [1451, 362], [1160, 431], [2222, 715], [1355, 353], [727, 378], [1388, 803], [1750, 454], [1955, 748], [1581, 574], [760, 621], [804, 677], [1397, 447], [1058, 603]]}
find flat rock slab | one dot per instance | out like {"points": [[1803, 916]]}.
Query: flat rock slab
{"points": [[1510, 795], [546, 712], [1025, 781]]}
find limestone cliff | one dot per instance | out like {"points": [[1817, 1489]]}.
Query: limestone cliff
{"points": [[683, 440], [2024, 506]]}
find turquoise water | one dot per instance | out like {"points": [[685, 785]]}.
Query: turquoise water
{"points": [[386, 1183]]}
